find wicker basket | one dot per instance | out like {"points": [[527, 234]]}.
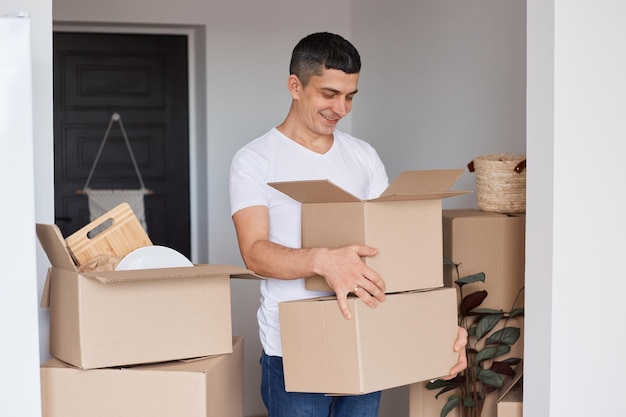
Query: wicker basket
{"points": [[500, 182]]}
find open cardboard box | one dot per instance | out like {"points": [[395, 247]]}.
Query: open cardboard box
{"points": [[206, 387], [104, 319], [404, 224], [406, 339]]}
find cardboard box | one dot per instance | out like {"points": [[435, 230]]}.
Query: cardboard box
{"points": [[406, 339], [404, 224], [207, 387], [492, 243], [487, 242], [103, 319], [511, 405]]}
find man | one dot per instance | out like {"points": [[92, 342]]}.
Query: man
{"points": [[324, 73]]}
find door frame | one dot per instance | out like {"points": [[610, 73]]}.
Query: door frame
{"points": [[198, 169]]}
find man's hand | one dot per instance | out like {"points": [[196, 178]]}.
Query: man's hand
{"points": [[346, 273], [459, 346]]}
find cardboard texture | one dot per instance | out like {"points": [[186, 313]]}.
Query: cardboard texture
{"points": [[511, 396], [486, 242], [103, 319], [492, 243], [406, 339], [511, 405], [404, 224], [207, 387]]}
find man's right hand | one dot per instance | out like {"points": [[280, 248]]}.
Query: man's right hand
{"points": [[345, 272]]}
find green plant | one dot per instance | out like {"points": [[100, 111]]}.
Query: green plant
{"points": [[485, 373]]}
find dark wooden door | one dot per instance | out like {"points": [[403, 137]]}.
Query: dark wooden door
{"points": [[143, 78]]}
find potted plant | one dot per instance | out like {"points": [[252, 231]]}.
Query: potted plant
{"points": [[486, 346]]}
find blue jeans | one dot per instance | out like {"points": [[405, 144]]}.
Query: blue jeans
{"points": [[280, 403]]}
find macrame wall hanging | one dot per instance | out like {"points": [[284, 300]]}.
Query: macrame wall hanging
{"points": [[101, 201]]}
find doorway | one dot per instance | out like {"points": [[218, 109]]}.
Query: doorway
{"points": [[144, 79]]}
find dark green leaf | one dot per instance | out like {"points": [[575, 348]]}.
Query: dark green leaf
{"points": [[491, 378], [436, 384], [444, 390], [512, 361], [516, 312], [479, 277], [486, 324], [480, 311], [471, 331], [471, 301], [451, 404], [468, 402], [506, 336], [448, 262], [491, 352]]}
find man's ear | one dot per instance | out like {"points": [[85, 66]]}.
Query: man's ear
{"points": [[294, 86]]}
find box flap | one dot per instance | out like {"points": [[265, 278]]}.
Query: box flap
{"points": [[423, 185], [45, 296], [510, 383], [197, 271], [314, 191], [420, 196], [53, 244]]}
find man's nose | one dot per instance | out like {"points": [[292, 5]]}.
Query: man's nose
{"points": [[341, 107]]}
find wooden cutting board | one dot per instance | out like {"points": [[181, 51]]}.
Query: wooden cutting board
{"points": [[116, 233]]}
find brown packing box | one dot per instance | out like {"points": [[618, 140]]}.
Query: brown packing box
{"points": [[511, 405], [404, 224], [492, 243], [406, 339], [207, 387], [487, 242], [103, 319]]}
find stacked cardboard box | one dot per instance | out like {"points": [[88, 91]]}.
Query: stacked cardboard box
{"points": [[406, 339], [152, 342], [492, 243]]}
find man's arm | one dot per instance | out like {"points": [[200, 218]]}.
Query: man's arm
{"points": [[342, 267]]}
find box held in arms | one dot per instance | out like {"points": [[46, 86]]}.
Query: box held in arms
{"points": [[404, 224], [204, 387], [406, 339]]}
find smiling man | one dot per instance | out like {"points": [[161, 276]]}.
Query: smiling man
{"points": [[324, 74]]}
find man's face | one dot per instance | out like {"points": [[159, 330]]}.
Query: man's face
{"points": [[325, 100]]}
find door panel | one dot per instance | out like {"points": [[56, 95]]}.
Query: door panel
{"points": [[143, 78]]}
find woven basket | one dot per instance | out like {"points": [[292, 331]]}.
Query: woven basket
{"points": [[500, 182]]}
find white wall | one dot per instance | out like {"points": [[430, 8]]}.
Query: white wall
{"points": [[24, 122], [575, 282], [443, 82]]}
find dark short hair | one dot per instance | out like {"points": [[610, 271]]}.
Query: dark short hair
{"points": [[323, 50]]}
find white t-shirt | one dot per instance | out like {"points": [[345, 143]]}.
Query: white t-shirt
{"points": [[350, 163]]}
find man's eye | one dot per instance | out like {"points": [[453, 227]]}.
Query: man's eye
{"points": [[349, 98]]}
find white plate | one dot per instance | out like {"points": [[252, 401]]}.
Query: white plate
{"points": [[149, 257]]}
